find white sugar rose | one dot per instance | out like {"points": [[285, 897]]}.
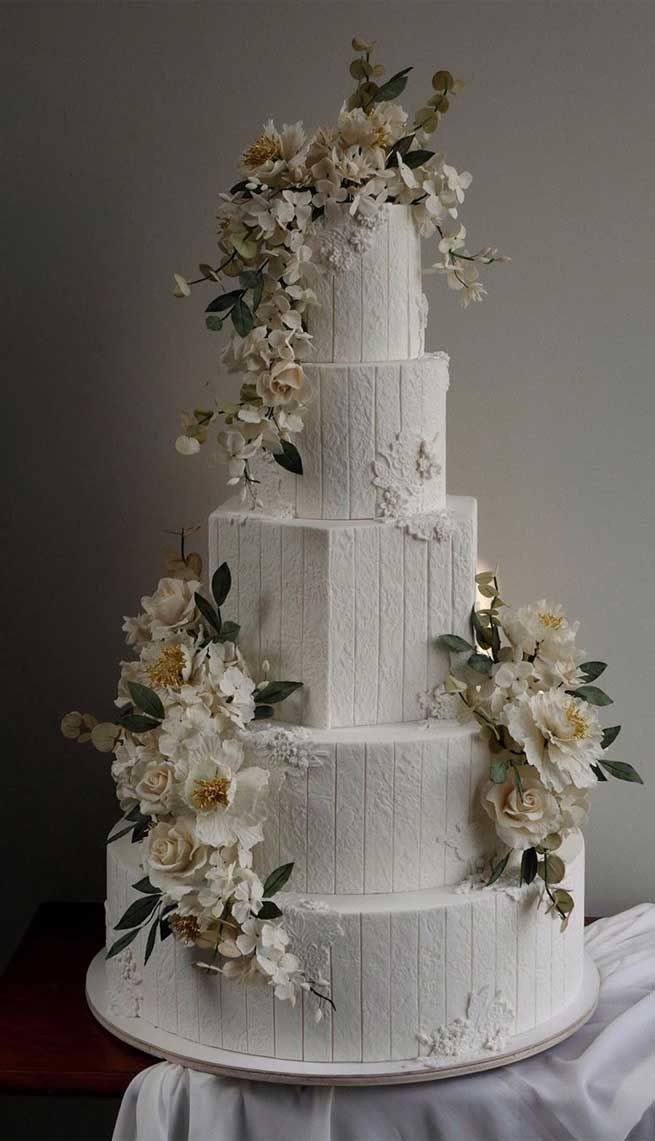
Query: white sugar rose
{"points": [[175, 860], [282, 383], [521, 821], [172, 606], [560, 735], [155, 789]]}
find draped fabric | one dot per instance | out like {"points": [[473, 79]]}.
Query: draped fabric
{"points": [[598, 1085]]}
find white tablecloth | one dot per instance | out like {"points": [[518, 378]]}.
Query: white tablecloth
{"points": [[599, 1085]]}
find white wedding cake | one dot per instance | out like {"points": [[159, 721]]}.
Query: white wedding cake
{"points": [[345, 577]]}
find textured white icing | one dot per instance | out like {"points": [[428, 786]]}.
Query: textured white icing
{"points": [[350, 608], [368, 428], [370, 303], [406, 966], [387, 810]]}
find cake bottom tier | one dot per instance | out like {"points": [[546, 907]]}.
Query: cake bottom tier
{"points": [[441, 971]]}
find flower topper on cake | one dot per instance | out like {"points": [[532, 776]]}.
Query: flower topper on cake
{"points": [[269, 252], [193, 782], [529, 687]]}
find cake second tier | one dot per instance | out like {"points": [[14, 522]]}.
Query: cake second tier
{"points": [[352, 609], [373, 443]]}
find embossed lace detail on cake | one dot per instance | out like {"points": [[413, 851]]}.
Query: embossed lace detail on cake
{"points": [[486, 1028], [509, 883], [128, 999], [400, 474], [314, 927], [338, 242], [286, 748], [271, 495]]}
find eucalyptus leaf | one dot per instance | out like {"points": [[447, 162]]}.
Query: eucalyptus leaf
{"points": [[221, 584], [257, 293], [269, 910], [229, 632], [289, 458], [263, 712], [275, 691], [146, 700], [483, 636], [481, 664], [165, 929], [122, 943], [622, 771], [498, 770], [277, 879], [121, 832], [223, 302], [609, 736], [134, 814], [208, 271], [213, 322], [455, 643], [591, 694], [137, 912], [498, 868], [592, 670], [242, 318], [600, 775], [393, 87], [208, 612], [552, 868], [249, 278], [140, 830], [416, 158], [146, 887], [529, 865], [136, 723]]}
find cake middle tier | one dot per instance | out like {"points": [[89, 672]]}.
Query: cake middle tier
{"points": [[352, 609], [373, 442], [382, 808]]}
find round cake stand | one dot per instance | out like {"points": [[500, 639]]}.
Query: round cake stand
{"points": [[210, 1059]]}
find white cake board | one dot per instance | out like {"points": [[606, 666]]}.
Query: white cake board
{"points": [[210, 1059]]}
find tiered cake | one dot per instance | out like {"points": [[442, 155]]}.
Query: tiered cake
{"points": [[344, 578]]}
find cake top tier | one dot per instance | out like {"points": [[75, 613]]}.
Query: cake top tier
{"points": [[370, 304]]}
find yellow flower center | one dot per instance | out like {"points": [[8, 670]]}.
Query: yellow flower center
{"points": [[166, 671], [263, 149], [551, 621], [578, 723], [185, 927], [211, 793]]}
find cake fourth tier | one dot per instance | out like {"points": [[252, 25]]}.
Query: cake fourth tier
{"points": [[351, 608]]}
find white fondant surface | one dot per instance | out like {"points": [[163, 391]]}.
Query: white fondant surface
{"points": [[389, 809], [370, 303], [351, 608], [371, 432], [406, 965]]}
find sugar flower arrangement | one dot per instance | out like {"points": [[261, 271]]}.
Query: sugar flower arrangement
{"points": [[530, 688], [267, 240], [192, 787]]}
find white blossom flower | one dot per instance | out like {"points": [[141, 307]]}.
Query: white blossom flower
{"points": [[574, 808], [138, 631], [235, 451], [457, 183], [560, 735], [229, 801], [542, 624], [523, 818]]}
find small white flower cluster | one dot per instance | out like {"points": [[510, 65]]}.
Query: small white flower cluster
{"points": [[271, 251], [528, 685], [187, 777]]}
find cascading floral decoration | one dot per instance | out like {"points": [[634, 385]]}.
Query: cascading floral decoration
{"points": [[530, 688], [193, 794], [267, 233]]}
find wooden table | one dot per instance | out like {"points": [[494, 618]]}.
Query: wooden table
{"points": [[50, 1043]]}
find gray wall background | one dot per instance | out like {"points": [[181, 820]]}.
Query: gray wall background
{"points": [[122, 123]]}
